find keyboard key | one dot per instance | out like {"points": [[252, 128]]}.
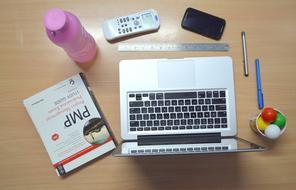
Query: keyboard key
{"points": [[189, 127], [145, 95], [146, 116], [224, 120], [166, 116], [159, 96], [203, 126], [183, 122], [196, 127], [156, 123], [210, 121], [135, 110], [138, 97], [181, 102], [184, 108], [164, 109], [191, 108], [132, 117], [197, 108], [176, 122], [220, 107], [201, 101], [131, 95], [194, 102], [147, 128], [222, 114], [147, 103], [219, 101], [208, 101], [180, 95], [197, 121], [200, 115], [187, 102], [144, 110], [136, 104], [133, 129], [140, 129], [173, 116], [182, 127], [206, 114], [179, 115], [153, 128], [159, 116], [217, 120], [203, 121], [209, 126], [149, 123], [170, 122], [186, 115], [139, 117], [150, 110], [177, 109], [171, 109], [160, 103], [209, 94], [216, 126], [168, 128], [163, 122], [175, 127], [174, 102], [204, 108], [224, 126], [153, 103], [215, 94], [222, 93], [201, 94], [193, 115], [211, 108], [142, 123], [157, 110], [167, 103], [152, 96], [190, 121], [213, 114], [152, 116], [160, 128]]}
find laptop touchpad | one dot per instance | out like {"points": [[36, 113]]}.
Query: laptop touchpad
{"points": [[176, 74]]}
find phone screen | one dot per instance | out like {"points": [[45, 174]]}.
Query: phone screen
{"points": [[203, 23]]}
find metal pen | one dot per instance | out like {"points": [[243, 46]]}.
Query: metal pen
{"points": [[246, 69]]}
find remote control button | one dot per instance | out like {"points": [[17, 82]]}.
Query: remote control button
{"points": [[124, 20], [136, 22], [127, 19], [133, 18], [125, 25], [120, 20], [130, 29]]}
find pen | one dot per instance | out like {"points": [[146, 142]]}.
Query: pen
{"points": [[259, 90], [246, 70]]}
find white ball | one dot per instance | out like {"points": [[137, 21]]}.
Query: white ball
{"points": [[272, 131]]}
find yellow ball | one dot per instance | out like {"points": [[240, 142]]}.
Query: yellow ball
{"points": [[262, 124]]}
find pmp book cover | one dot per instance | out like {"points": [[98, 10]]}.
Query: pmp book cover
{"points": [[70, 123]]}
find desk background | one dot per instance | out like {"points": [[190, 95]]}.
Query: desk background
{"points": [[29, 62]]}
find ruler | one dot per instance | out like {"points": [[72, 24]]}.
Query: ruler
{"points": [[173, 47]]}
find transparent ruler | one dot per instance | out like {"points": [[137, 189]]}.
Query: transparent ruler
{"points": [[173, 47]]}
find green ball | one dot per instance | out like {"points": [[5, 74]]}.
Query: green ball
{"points": [[280, 120]]}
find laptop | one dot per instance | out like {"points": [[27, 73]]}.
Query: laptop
{"points": [[178, 106]]}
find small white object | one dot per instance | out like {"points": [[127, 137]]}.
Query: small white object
{"points": [[123, 26], [272, 131]]}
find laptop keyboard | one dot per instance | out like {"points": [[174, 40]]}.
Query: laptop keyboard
{"points": [[190, 110]]}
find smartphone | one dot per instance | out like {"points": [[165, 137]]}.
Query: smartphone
{"points": [[203, 23]]}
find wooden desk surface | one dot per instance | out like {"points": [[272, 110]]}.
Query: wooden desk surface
{"points": [[29, 62]]}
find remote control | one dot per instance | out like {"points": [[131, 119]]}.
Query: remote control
{"points": [[123, 26]]}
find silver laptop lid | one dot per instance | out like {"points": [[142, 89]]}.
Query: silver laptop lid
{"points": [[176, 75]]}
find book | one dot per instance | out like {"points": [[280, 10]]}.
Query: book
{"points": [[70, 123]]}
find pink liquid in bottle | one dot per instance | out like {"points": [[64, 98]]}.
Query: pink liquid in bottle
{"points": [[65, 30]]}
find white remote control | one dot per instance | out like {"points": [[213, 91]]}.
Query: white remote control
{"points": [[144, 21]]}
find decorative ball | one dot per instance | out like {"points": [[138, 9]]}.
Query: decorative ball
{"points": [[269, 114], [280, 120], [262, 124], [272, 131]]}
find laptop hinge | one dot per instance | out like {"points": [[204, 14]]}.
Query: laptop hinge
{"points": [[179, 139]]}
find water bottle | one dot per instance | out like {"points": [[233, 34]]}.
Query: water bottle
{"points": [[65, 30]]}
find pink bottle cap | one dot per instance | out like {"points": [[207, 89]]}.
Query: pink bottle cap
{"points": [[55, 19]]}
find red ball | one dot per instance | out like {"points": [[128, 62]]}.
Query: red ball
{"points": [[269, 114]]}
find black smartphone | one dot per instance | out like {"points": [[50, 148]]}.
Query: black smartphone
{"points": [[203, 23]]}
